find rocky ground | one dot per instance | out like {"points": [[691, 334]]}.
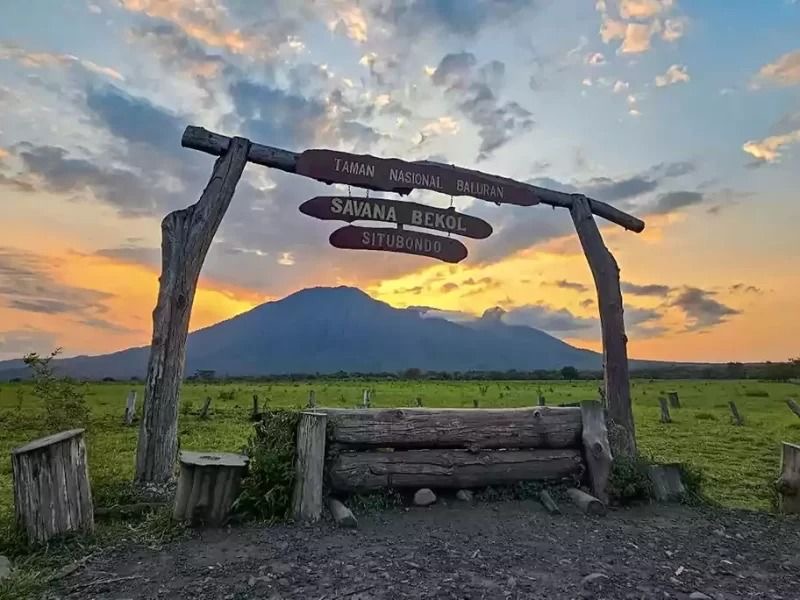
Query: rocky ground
{"points": [[457, 550]]}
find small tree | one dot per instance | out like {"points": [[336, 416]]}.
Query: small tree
{"points": [[569, 373], [64, 400]]}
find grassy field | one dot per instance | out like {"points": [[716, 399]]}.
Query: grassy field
{"points": [[739, 462]]}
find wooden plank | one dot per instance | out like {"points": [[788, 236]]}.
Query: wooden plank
{"points": [[216, 144], [309, 467], [350, 209], [453, 469], [403, 241], [530, 427]]}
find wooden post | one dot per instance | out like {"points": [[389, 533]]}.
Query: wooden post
{"points": [[615, 352], [475, 403], [186, 238], [541, 400], [789, 482], [365, 399], [419, 401], [307, 498], [52, 494], [254, 415], [208, 484], [596, 448], [665, 418], [312, 400], [793, 406], [735, 416], [674, 401], [206, 407], [586, 502], [130, 408]]}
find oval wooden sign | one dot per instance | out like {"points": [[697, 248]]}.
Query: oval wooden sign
{"points": [[346, 208], [395, 175], [399, 240]]}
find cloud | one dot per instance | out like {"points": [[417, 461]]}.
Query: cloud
{"points": [[745, 289], [621, 86], [448, 287], [675, 74], [652, 289], [702, 312], [674, 29], [642, 9], [16, 343], [595, 58], [568, 285], [474, 90], [642, 322], [550, 319], [38, 60], [769, 150], [784, 72], [672, 201]]}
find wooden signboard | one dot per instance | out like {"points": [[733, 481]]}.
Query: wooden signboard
{"points": [[399, 176], [345, 208], [399, 240]]}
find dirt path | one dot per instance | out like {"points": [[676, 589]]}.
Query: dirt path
{"points": [[503, 550]]}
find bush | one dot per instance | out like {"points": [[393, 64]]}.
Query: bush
{"points": [[267, 488], [629, 480], [64, 400]]}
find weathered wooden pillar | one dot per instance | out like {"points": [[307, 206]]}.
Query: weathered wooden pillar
{"points": [[665, 418], [130, 408], [52, 494], [596, 448], [736, 418], [793, 406], [209, 483], [674, 400], [789, 482], [186, 238], [615, 352], [309, 466]]}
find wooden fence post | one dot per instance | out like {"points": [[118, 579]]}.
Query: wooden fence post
{"points": [[665, 418], [605, 273], [735, 416], [365, 399], [789, 482], [254, 415], [206, 407], [312, 399], [130, 408], [793, 406], [186, 236], [674, 401], [595, 447], [52, 494], [309, 466]]}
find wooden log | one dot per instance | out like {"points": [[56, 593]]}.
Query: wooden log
{"points": [[596, 448], [453, 469], [605, 273], [789, 482], [203, 140], [586, 502], [208, 484], [665, 418], [130, 408], [674, 401], [342, 515], [547, 501], [309, 466], [793, 406], [186, 236], [667, 482], [531, 427], [206, 406], [52, 494], [736, 418]]}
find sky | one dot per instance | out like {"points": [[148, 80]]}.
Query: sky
{"points": [[685, 113]]}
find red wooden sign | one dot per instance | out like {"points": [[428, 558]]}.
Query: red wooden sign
{"points": [[399, 176], [399, 240], [345, 208]]}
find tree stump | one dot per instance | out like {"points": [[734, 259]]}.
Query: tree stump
{"points": [[674, 401], [735, 416], [667, 482], [309, 466], [208, 484], [52, 494], [665, 418], [596, 447], [789, 482], [130, 408]]}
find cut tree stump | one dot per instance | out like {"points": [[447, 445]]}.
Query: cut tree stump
{"points": [[735, 416], [793, 406], [208, 484], [789, 482], [665, 418], [674, 401], [130, 408], [595, 447], [52, 495], [342, 515], [309, 466], [586, 502], [667, 482]]}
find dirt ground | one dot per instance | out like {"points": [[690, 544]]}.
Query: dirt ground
{"points": [[455, 550]]}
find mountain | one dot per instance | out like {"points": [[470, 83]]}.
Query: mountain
{"points": [[326, 330]]}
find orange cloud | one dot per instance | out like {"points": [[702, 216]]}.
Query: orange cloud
{"points": [[769, 149], [784, 71], [38, 60]]}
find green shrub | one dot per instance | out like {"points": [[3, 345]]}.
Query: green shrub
{"points": [[267, 488], [63, 399], [629, 480]]}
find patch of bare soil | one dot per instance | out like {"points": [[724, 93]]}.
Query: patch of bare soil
{"points": [[500, 550]]}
